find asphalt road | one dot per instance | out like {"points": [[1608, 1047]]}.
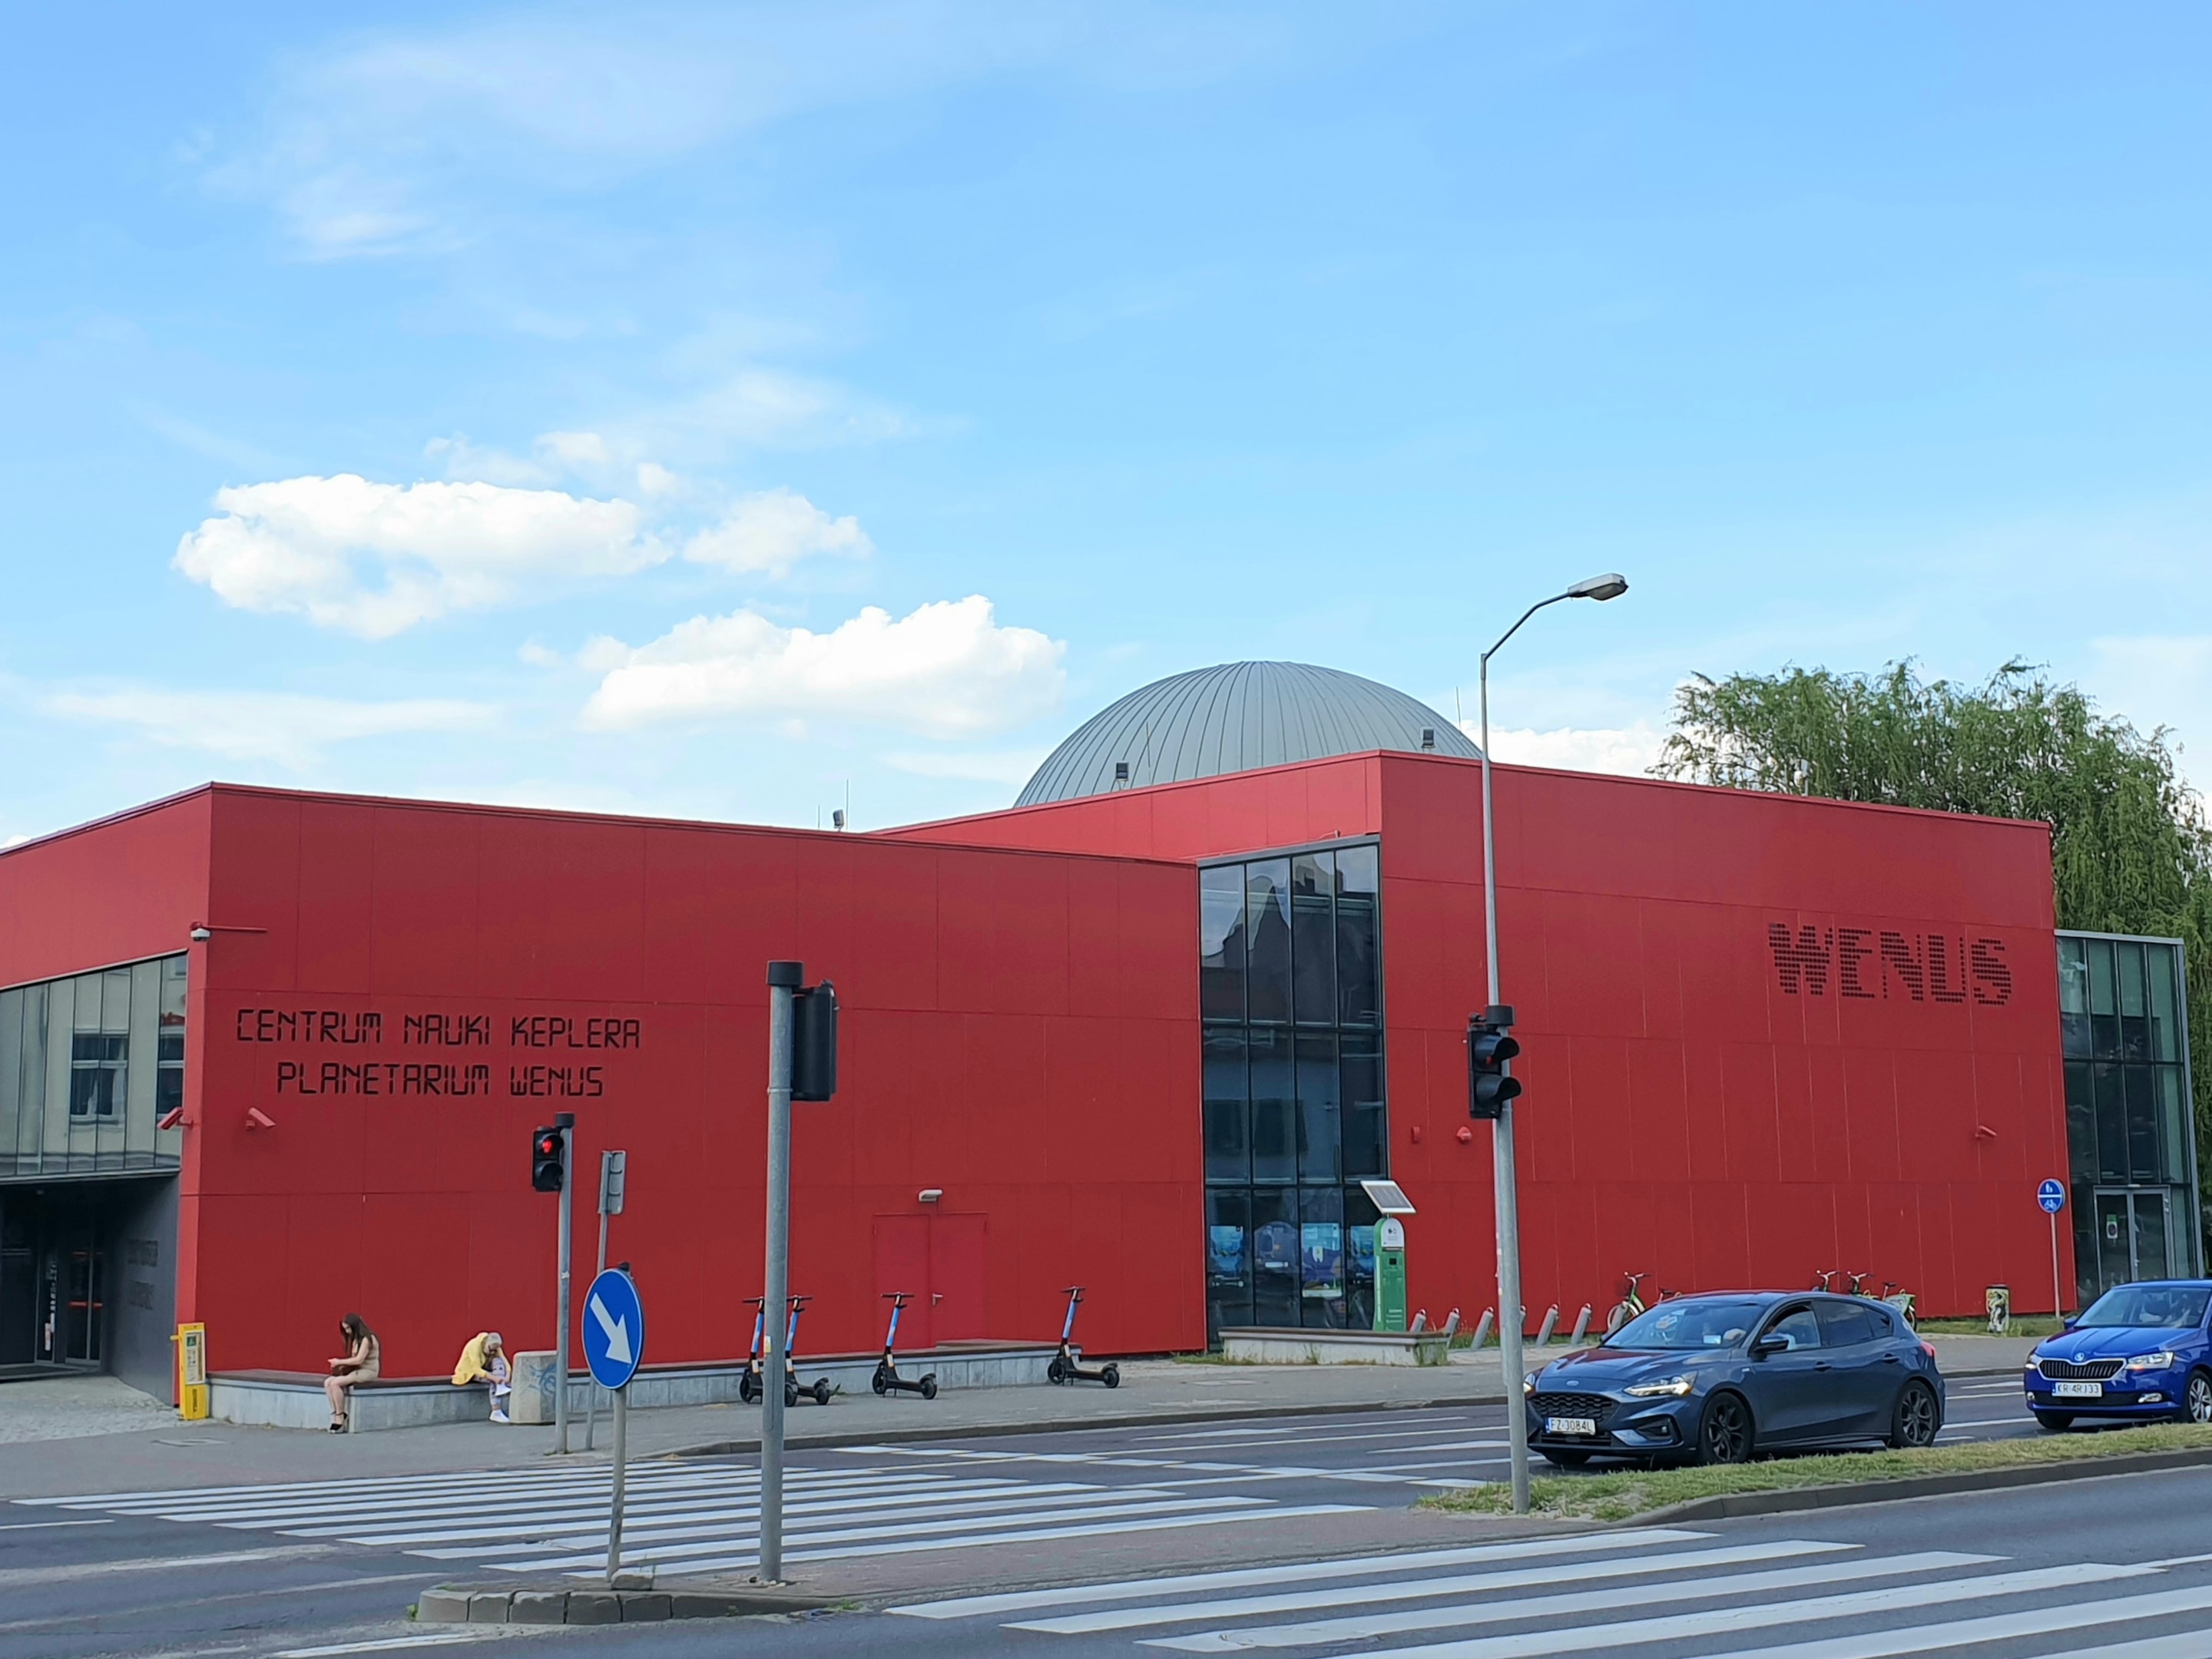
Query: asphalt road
{"points": [[309, 1568]]}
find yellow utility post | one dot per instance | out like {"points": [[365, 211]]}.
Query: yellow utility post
{"points": [[191, 1373]]}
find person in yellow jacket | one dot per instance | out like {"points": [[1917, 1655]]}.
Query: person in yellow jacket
{"points": [[484, 1360]]}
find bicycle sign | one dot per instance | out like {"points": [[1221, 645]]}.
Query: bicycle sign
{"points": [[2052, 1196]]}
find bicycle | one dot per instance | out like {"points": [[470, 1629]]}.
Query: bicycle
{"points": [[1901, 1299], [1633, 1304]]}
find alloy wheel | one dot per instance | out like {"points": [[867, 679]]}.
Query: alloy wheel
{"points": [[1915, 1417], [1725, 1434], [2198, 1398]]}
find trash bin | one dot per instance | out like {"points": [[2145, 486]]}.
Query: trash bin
{"points": [[1998, 1299]]}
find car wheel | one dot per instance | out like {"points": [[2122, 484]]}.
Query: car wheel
{"points": [[2197, 1398], [1565, 1459], [1913, 1424], [2056, 1422], [1724, 1434]]}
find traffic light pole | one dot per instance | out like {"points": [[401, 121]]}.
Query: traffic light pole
{"points": [[1510, 1313], [1508, 1200], [784, 979], [566, 1122]]}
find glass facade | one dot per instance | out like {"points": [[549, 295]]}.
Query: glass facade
{"points": [[2129, 1127], [1290, 992], [89, 1066]]}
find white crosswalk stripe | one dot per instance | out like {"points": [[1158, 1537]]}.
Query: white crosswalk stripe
{"points": [[690, 1517], [1627, 1592]]}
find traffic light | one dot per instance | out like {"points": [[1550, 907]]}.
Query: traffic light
{"points": [[546, 1147], [814, 1043], [1490, 1046]]}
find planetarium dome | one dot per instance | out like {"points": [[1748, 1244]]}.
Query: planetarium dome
{"points": [[1234, 718]]}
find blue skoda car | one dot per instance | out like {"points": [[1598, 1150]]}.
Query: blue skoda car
{"points": [[1714, 1379], [2139, 1354]]}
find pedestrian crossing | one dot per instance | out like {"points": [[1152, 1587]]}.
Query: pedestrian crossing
{"points": [[690, 1517], [1641, 1589]]}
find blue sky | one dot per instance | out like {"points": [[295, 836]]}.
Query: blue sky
{"points": [[708, 411]]}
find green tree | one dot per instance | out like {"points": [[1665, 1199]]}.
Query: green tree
{"points": [[2130, 850]]}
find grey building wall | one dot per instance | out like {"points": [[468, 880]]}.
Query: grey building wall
{"points": [[141, 1304]]}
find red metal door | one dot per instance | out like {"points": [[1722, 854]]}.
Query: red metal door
{"points": [[902, 1252], [955, 1276]]}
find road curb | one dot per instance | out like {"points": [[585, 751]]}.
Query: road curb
{"points": [[481, 1604], [1121, 1420], [1737, 1504]]}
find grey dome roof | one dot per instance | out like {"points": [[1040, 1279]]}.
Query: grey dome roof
{"points": [[1232, 719]]}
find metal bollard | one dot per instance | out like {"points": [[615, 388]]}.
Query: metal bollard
{"points": [[1551, 1320], [1581, 1326], [1482, 1326], [1451, 1325]]}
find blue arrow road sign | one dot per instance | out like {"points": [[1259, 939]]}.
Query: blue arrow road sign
{"points": [[2052, 1196], [614, 1328]]}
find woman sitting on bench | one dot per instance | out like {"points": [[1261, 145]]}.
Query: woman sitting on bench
{"points": [[359, 1365]]}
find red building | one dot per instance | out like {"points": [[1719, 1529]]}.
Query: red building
{"points": [[267, 1057]]}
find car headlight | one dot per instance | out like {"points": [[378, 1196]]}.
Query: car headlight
{"points": [[1528, 1384], [1676, 1386], [2152, 1362]]}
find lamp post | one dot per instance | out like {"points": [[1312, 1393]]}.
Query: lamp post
{"points": [[1608, 586]]}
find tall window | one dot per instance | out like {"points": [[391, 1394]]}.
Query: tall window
{"points": [[1290, 992], [2129, 1129]]}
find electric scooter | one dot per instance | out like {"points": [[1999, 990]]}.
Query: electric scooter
{"points": [[793, 1390], [749, 1382], [1064, 1367], [887, 1378]]}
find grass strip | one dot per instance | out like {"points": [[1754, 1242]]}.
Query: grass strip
{"points": [[1618, 1497]]}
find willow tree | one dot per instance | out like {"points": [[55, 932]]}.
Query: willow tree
{"points": [[2130, 850]]}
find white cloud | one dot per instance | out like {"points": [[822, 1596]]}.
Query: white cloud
{"points": [[772, 530], [1631, 750], [947, 670], [1007, 766], [262, 726], [375, 559]]}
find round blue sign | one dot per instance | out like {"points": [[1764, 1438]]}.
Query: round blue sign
{"points": [[2052, 1196], [614, 1328]]}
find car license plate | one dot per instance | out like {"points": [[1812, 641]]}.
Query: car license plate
{"points": [[2078, 1391], [1570, 1425]]}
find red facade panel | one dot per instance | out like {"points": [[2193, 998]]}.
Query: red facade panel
{"points": [[432, 981]]}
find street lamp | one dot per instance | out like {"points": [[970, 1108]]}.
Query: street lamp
{"points": [[1610, 585]]}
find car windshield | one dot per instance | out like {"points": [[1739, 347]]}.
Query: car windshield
{"points": [[1689, 1325], [2178, 1307]]}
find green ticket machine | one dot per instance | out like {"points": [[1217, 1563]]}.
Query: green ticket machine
{"points": [[1389, 1198]]}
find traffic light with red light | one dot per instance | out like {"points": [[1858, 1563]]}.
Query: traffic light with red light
{"points": [[1490, 1048], [547, 1147]]}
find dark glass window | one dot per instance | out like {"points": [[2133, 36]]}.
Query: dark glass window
{"points": [[1313, 938], [1359, 954], [2074, 996], [98, 1062], [1275, 1251], [1842, 1325], [1228, 1256], [1274, 1105], [2081, 1116], [1228, 1130], [1366, 1135], [2104, 1001], [2112, 1125], [1291, 991], [2143, 1161], [1321, 1155], [1268, 930], [1221, 942], [1321, 1257]]}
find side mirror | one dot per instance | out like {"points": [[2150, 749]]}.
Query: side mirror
{"points": [[1769, 1344], [2069, 1322]]}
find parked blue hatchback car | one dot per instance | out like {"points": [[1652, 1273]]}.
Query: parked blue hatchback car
{"points": [[2139, 1353], [1713, 1378]]}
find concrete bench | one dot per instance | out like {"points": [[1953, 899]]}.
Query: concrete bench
{"points": [[1279, 1346], [294, 1399]]}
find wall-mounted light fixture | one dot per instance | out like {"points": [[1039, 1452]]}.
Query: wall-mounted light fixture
{"points": [[930, 1195]]}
